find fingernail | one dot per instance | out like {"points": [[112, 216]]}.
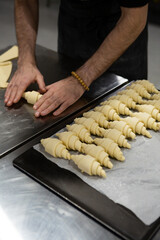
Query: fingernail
{"points": [[37, 114], [9, 103], [34, 107]]}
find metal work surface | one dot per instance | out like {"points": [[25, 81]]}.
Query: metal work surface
{"points": [[18, 123]]}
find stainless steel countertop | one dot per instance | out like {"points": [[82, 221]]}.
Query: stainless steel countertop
{"points": [[28, 211]]}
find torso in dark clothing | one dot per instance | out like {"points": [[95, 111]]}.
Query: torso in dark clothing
{"points": [[84, 24]]}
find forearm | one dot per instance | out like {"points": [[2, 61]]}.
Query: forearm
{"points": [[26, 20], [128, 28]]}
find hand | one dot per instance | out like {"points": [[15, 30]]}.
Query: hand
{"points": [[23, 77], [59, 95]]}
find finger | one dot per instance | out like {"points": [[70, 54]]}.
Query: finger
{"points": [[49, 86], [63, 107], [12, 96], [48, 106], [41, 83], [20, 91], [8, 90], [42, 100]]}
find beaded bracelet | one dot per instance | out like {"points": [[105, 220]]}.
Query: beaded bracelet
{"points": [[75, 75]]}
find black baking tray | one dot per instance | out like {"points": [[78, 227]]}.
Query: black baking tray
{"points": [[73, 189]]}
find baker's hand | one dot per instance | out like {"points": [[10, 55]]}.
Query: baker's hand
{"points": [[23, 77], [59, 96]]}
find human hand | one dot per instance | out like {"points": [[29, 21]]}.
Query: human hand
{"points": [[23, 77], [59, 96]]}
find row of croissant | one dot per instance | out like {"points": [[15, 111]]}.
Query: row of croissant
{"points": [[105, 121]]}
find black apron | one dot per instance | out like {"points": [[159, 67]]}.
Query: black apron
{"points": [[84, 24]]}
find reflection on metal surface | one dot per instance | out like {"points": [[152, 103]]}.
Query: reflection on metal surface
{"points": [[7, 230]]}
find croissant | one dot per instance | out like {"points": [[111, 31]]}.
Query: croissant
{"points": [[32, 96], [123, 128], [80, 132], [117, 137], [149, 109], [148, 121], [133, 94], [5, 71], [98, 117], [88, 164], [108, 111], [70, 140], [98, 153], [137, 126], [125, 99], [90, 124], [110, 147], [155, 103], [148, 86], [55, 147], [155, 96], [118, 106], [140, 90]]}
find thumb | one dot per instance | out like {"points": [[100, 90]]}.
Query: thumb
{"points": [[41, 83]]}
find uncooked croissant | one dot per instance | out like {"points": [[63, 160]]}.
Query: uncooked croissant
{"points": [[148, 121], [117, 137], [56, 148], [125, 99], [98, 117], [149, 109], [32, 96], [120, 107], [122, 127], [155, 103], [108, 112], [70, 140], [133, 94], [137, 126], [148, 86], [90, 124], [98, 153], [156, 96], [81, 132], [140, 90], [110, 147], [88, 164]]}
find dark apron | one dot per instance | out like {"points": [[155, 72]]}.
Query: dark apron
{"points": [[84, 24]]}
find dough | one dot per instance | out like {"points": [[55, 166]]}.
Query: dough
{"points": [[90, 124], [70, 140], [108, 112], [5, 71], [148, 86], [137, 126], [80, 132], [117, 137], [118, 106], [32, 96], [125, 99], [98, 117], [9, 54], [149, 109], [140, 90], [55, 147], [98, 153], [156, 96], [148, 121], [110, 147], [88, 164], [133, 94], [123, 127]]}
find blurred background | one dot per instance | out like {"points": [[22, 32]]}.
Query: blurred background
{"points": [[47, 35]]}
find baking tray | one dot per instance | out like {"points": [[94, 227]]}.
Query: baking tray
{"points": [[18, 124], [73, 189]]}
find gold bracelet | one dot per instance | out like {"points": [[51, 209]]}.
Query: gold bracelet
{"points": [[75, 75]]}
